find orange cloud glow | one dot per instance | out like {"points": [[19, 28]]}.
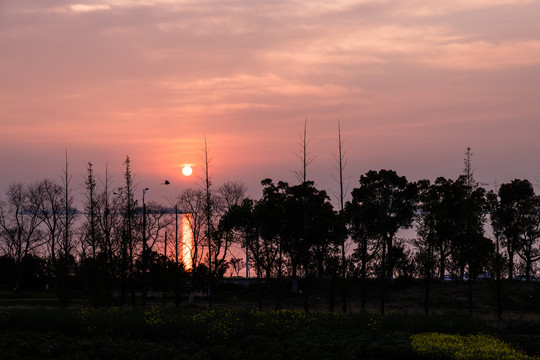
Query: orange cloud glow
{"points": [[414, 83]]}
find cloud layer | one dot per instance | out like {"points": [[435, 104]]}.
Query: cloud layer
{"points": [[413, 82]]}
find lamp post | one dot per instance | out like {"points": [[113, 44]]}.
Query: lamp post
{"points": [[144, 217], [145, 265]]}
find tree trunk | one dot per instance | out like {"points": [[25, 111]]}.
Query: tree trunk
{"points": [[383, 277]]}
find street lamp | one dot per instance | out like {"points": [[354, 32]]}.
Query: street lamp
{"points": [[144, 246], [164, 289], [144, 217]]}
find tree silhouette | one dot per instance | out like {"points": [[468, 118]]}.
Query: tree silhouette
{"points": [[241, 219], [312, 223], [192, 203], [359, 220], [515, 202], [128, 204], [341, 159], [19, 224], [66, 245], [390, 203], [92, 235], [49, 201], [274, 239]]}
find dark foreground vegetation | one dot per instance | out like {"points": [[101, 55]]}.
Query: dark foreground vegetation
{"points": [[33, 327], [156, 333]]}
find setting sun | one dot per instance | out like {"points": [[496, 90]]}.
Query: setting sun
{"points": [[187, 170]]}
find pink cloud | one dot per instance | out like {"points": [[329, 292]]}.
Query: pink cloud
{"points": [[481, 55], [152, 78]]}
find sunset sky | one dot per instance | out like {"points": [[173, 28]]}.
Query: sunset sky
{"points": [[414, 83]]}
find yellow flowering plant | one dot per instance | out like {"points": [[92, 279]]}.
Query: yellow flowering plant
{"points": [[464, 347]]}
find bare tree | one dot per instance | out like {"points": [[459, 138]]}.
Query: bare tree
{"points": [[128, 204], [66, 245], [192, 203], [230, 194], [494, 208], [110, 228], [92, 235], [51, 209], [305, 156], [468, 171], [341, 159], [301, 175], [208, 210], [91, 209], [157, 220], [19, 222]]}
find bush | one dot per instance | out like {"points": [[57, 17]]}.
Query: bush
{"points": [[459, 347]]}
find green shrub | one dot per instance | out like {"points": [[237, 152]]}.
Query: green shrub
{"points": [[459, 347]]}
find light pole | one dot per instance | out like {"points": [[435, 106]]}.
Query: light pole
{"points": [[145, 290], [144, 217]]}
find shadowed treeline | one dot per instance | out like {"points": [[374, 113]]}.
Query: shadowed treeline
{"points": [[118, 251]]}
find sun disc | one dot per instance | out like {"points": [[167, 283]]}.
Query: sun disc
{"points": [[187, 170]]}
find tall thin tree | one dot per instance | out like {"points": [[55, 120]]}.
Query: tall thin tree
{"points": [[341, 159], [208, 211], [109, 222], [50, 209], [494, 208], [91, 213], [128, 242], [305, 156], [66, 245]]}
